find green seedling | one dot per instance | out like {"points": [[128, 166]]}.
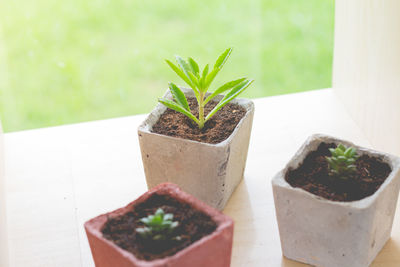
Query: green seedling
{"points": [[341, 162], [200, 83], [158, 226]]}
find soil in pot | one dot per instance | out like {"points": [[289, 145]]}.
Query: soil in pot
{"points": [[312, 176], [193, 225], [215, 130]]}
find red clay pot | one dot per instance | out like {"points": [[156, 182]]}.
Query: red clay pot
{"points": [[213, 250]]}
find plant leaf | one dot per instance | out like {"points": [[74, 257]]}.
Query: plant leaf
{"points": [[347, 153], [179, 96], [180, 73], [194, 79], [184, 65], [188, 72], [223, 58], [168, 216], [194, 66], [341, 147], [353, 152], [205, 72], [223, 88], [143, 231], [174, 106], [159, 211], [210, 77], [203, 77], [145, 220], [238, 89]]}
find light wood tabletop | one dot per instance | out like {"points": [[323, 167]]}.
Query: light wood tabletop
{"points": [[59, 177]]}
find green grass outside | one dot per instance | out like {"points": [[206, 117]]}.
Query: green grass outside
{"points": [[72, 61]]}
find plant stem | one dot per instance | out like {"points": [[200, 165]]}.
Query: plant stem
{"points": [[201, 110]]}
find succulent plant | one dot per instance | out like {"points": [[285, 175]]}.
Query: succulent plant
{"points": [[341, 162], [159, 226], [200, 82]]}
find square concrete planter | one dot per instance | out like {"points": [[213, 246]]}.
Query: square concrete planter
{"points": [[327, 233], [210, 172], [3, 226], [214, 249]]}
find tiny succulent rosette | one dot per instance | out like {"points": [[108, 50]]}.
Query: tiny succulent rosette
{"points": [[159, 226], [342, 161], [200, 83]]}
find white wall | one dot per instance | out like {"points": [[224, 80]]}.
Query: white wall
{"points": [[3, 228], [366, 69]]}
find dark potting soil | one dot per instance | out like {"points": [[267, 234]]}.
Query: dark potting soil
{"points": [[193, 225], [215, 130], [312, 176]]}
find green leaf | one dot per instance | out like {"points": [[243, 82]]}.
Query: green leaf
{"points": [[194, 79], [210, 77], [187, 71], [168, 216], [180, 73], [223, 58], [143, 231], [329, 160], [238, 89], [157, 219], [179, 96], [159, 211], [145, 220], [194, 66], [203, 78], [174, 106], [353, 152], [341, 147], [223, 88], [347, 153], [184, 65], [166, 224], [205, 72]]}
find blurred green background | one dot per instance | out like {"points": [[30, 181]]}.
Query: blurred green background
{"points": [[72, 61]]}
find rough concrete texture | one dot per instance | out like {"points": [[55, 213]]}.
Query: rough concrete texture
{"points": [[210, 172], [3, 226], [212, 250], [325, 233]]}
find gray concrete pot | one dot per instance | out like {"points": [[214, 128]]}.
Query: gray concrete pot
{"points": [[210, 172], [3, 226], [326, 233]]}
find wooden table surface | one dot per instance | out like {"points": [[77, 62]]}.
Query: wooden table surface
{"points": [[57, 178]]}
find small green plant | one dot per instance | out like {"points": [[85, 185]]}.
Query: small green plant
{"points": [[200, 83], [341, 162], [158, 226]]}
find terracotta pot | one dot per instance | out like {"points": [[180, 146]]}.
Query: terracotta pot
{"points": [[3, 226], [328, 233], [210, 172], [212, 250]]}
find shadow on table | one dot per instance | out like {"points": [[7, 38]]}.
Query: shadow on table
{"points": [[239, 208], [389, 255], [290, 263]]}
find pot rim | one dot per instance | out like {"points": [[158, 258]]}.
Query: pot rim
{"points": [[95, 225], [394, 162], [154, 115]]}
